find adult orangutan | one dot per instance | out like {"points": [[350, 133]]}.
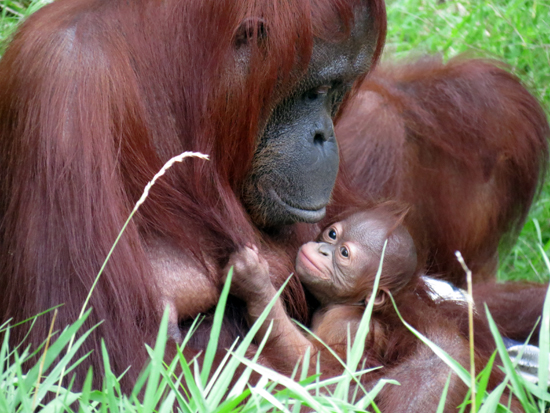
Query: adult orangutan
{"points": [[96, 95]]}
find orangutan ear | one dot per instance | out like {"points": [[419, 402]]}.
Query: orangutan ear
{"points": [[250, 28], [381, 297]]}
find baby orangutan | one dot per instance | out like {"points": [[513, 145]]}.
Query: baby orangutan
{"points": [[339, 270]]}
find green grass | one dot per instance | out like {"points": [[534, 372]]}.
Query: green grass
{"points": [[200, 386], [189, 385], [517, 32], [11, 13]]}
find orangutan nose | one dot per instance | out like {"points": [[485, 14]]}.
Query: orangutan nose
{"points": [[325, 249]]}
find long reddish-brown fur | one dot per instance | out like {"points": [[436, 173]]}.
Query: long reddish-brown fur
{"points": [[464, 143], [94, 97]]}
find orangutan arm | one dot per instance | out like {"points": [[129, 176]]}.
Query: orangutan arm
{"points": [[251, 283]]}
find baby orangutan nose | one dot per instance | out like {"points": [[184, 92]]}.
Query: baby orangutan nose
{"points": [[325, 249]]}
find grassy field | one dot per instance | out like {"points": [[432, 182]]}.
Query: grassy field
{"points": [[517, 32]]}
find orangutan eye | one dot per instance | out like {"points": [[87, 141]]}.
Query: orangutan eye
{"points": [[332, 234], [344, 252], [314, 94]]}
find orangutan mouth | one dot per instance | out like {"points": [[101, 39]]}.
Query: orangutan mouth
{"points": [[303, 214]]}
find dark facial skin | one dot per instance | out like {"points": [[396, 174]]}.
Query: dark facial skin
{"points": [[345, 251], [296, 161]]}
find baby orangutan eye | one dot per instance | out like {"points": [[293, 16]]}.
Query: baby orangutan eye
{"points": [[344, 252], [332, 233]]}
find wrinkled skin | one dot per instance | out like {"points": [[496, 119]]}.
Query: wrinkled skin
{"points": [[296, 161], [349, 250]]}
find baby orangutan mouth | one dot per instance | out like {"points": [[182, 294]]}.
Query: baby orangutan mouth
{"points": [[303, 260]]}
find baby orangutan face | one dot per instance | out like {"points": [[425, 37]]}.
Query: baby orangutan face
{"points": [[340, 267], [346, 251]]}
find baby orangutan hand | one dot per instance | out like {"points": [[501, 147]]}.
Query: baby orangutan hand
{"points": [[251, 279]]}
